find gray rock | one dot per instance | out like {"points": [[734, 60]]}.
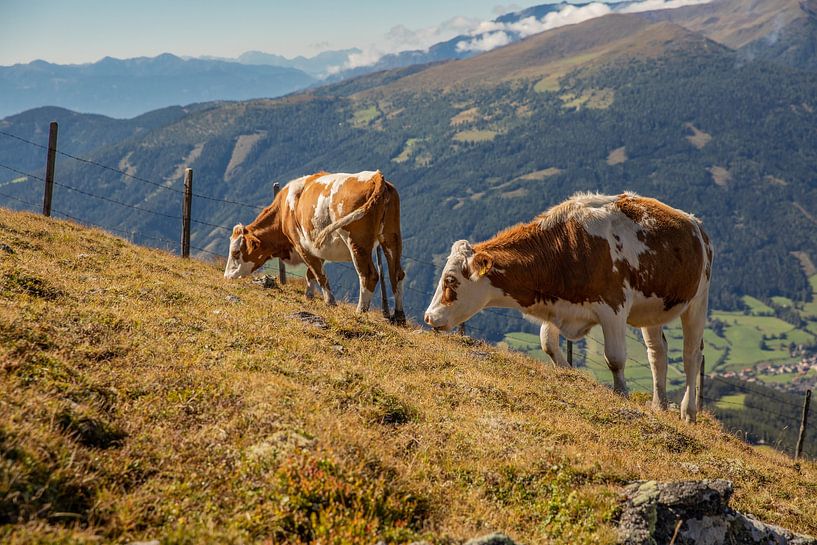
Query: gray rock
{"points": [[311, 319], [497, 538], [232, 299], [6, 248], [266, 281], [693, 512]]}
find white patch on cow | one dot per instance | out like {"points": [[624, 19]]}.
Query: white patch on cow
{"points": [[331, 179], [236, 267], [335, 249], [573, 320], [600, 218], [549, 340], [473, 293], [621, 234], [294, 189], [365, 297]]}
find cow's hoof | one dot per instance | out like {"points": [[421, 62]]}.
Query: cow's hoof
{"points": [[310, 295], [398, 318]]}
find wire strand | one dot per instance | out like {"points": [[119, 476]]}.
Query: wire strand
{"points": [[129, 175]]}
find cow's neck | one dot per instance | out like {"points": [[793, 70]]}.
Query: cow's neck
{"points": [[524, 259], [268, 227]]}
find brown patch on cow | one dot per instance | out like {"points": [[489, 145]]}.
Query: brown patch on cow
{"points": [[449, 290], [555, 257]]}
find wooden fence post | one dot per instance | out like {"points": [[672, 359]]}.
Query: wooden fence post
{"points": [[49, 168], [186, 205], [384, 299], [803, 424], [282, 268], [700, 400], [570, 353]]}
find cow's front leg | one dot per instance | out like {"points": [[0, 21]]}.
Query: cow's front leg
{"points": [[549, 338], [615, 351], [366, 272], [657, 354], [315, 265]]}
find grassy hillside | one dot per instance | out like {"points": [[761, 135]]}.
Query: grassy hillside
{"points": [[144, 397]]}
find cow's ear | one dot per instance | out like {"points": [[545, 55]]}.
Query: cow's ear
{"points": [[481, 264], [252, 242]]}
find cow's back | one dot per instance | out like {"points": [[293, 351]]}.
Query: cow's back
{"points": [[676, 257]]}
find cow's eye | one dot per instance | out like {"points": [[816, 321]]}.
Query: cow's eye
{"points": [[450, 281], [237, 254]]}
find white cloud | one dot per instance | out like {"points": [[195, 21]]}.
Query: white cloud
{"points": [[488, 35], [485, 42], [400, 38], [651, 5], [569, 15]]}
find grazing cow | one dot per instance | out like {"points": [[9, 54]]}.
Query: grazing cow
{"points": [[594, 259], [327, 217]]}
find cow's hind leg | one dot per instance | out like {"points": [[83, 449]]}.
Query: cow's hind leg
{"points": [[549, 338], [693, 321], [315, 266], [312, 285], [657, 354], [615, 351], [393, 248], [366, 272]]}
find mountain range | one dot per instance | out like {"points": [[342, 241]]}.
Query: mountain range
{"points": [[620, 102]]}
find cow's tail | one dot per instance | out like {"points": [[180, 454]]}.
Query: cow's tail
{"points": [[379, 189]]}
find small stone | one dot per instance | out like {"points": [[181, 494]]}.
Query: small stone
{"points": [[232, 299], [266, 281], [6, 248], [338, 348], [497, 538]]}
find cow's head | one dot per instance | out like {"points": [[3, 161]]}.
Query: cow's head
{"points": [[245, 253], [464, 287]]}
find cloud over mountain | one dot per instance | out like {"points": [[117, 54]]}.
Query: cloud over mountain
{"points": [[492, 34]]}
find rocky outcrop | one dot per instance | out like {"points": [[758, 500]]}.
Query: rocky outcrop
{"points": [[694, 512]]}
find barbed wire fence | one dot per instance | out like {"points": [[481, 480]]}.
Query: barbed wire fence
{"points": [[168, 245]]}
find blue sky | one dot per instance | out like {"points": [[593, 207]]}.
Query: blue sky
{"points": [[75, 31]]}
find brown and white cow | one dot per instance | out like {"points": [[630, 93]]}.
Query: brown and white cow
{"points": [[594, 259], [327, 217]]}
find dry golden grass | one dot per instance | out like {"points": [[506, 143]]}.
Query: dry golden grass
{"points": [[138, 402]]}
